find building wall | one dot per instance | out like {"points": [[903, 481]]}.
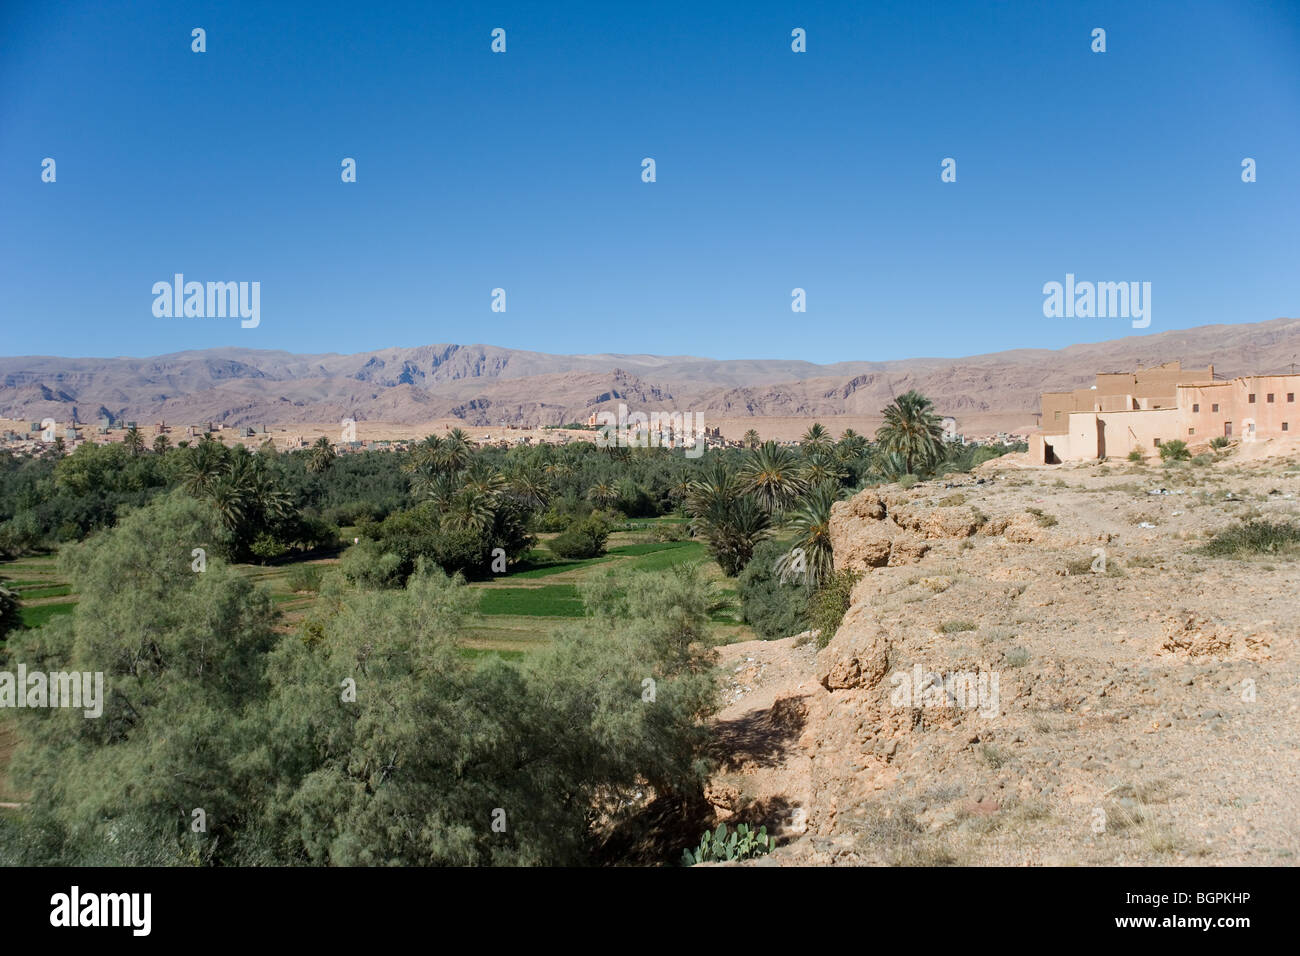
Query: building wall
{"points": [[1279, 418]]}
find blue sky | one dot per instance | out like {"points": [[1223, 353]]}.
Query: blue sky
{"points": [[522, 171]]}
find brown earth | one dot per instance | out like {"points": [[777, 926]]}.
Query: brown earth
{"points": [[1145, 707]]}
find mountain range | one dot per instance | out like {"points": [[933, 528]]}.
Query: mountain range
{"points": [[487, 385]]}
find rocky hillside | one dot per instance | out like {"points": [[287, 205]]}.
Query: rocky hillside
{"points": [[1038, 667], [485, 385]]}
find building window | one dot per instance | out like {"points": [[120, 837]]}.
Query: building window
{"points": [[1214, 407], [1196, 407], [1058, 417], [1290, 396], [1157, 441], [1270, 397], [1191, 431], [1251, 399], [1284, 427]]}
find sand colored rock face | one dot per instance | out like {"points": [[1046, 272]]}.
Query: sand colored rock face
{"points": [[1130, 704]]}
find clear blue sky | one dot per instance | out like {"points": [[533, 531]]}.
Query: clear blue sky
{"points": [[523, 171]]}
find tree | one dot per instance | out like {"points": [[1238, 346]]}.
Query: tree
{"points": [[771, 474], [455, 451], [730, 521], [912, 430], [811, 522], [321, 457], [751, 439], [160, 444], [816, 440], [133, 440], [602, 494]]}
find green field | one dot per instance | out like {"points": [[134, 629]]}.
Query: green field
{"points": [[517, 612]]}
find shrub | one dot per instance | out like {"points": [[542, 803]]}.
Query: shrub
{"points": [[368, 566], [670, 532], [266, 547], [582, 539], [907, 481], [1174, 450], [954, 627], [1259, 536], [1137, 456], [830, 602], [717, 847], [1043, 518], [303, 577], [11, 617], [773, 608], [1220, 441]]}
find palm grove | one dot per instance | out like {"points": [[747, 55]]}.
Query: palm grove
{"points": [[363, 734]]}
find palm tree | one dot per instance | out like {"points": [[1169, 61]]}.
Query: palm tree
{"points": [[530, 485], [821, 469], [912, 430], [427, 454], [133, 440], [161, 444], [321, 457], [851, 445], [771, 473], [455, 451], [602, 494], [203, 463], [816, 440], [811, 521], [751, 439], [732, 522]]}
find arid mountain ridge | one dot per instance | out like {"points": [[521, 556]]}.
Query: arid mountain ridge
{"points": [[486, 385]]}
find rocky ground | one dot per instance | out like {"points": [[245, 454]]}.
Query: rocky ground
{"points": [[1102, 694]]}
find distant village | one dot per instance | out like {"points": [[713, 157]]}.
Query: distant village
{"points": [[34, 438]]}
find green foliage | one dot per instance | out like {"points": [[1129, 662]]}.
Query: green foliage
{"points": [[368, 566], [367, 739], [718, 847], [1174, 450], [1256, 537], [907, 481], [772, 607], [912, 430], [830, 602], [1136, 455], [11, 617], [582, 539], [304, 577], [1220, 441]]}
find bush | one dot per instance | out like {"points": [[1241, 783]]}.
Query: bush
{"points": [[11, 617], [303, 577], [1174, 450], [774, 609], [368, 566], [1278, 538], [907, 481], [830, 602], [1136, 456], [582, 539], [1220, 441]]}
